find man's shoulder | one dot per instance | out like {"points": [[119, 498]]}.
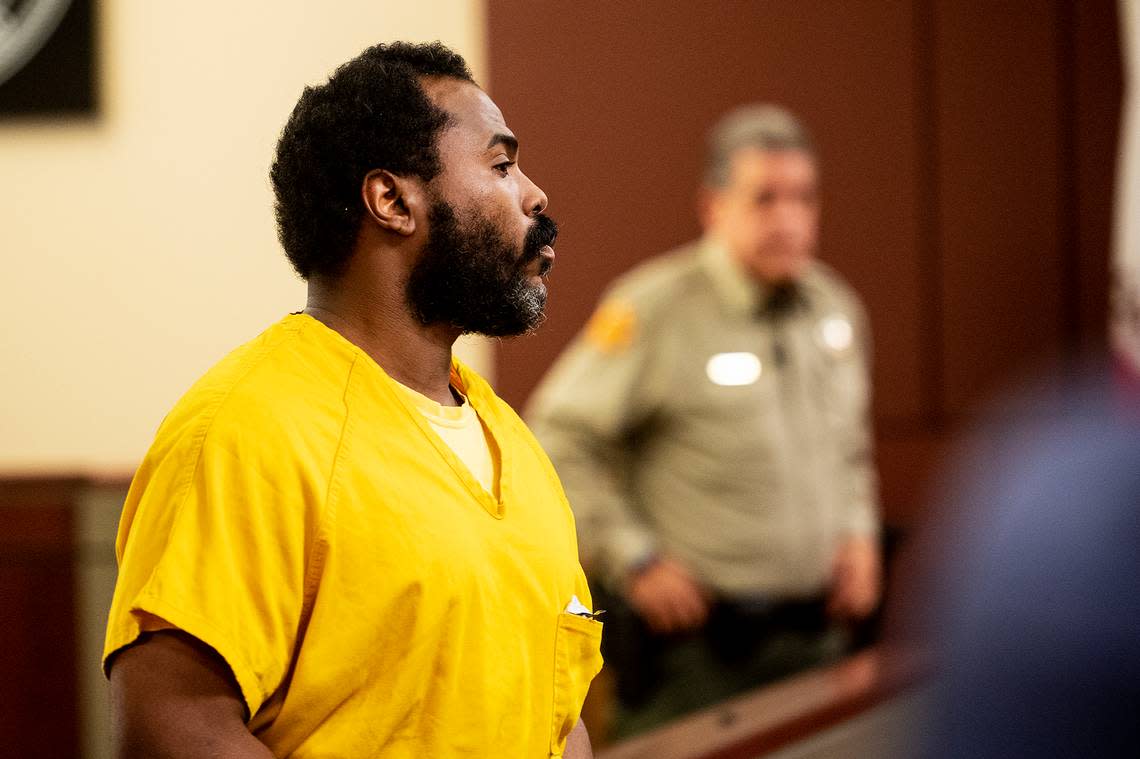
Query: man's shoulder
{"points": [[655, 283], [289, 376], [831, 290]]}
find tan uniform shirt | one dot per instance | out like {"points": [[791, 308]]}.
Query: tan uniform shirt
{"points": [[685, 421]]}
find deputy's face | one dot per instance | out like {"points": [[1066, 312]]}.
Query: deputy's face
{"points": [[489, 244], [768, 212]]}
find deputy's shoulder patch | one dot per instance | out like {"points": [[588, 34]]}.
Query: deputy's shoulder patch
{"points": [[612, 327]]}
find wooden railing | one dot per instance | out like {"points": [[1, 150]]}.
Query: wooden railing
{"points": [[778, 715]]}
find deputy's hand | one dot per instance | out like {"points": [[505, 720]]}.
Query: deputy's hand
{"points": [[668, 597], [856, 579]]}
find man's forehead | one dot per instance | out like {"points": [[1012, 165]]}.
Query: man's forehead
{"points": [[758, 154], [472, 110], [754, 162]]}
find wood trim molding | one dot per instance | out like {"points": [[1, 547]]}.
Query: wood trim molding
{"points": [[777, 715]]}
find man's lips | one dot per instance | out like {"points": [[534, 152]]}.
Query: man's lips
{"points": [[545, 260], [546, 256]]}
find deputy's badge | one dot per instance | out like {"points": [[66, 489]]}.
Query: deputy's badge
{"points": [[836, 334], [734, 369], [612, 327]]}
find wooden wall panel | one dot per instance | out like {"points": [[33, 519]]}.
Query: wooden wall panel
{"points": [[968, 160], [38, 694], [1000, 183], [612, 101], [1097, 80]]}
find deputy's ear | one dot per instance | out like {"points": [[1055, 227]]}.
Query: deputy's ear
{"points": [[391, 200]]}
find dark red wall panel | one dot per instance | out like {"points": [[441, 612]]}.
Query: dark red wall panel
{"points": [[612, 101], [968, 159]]}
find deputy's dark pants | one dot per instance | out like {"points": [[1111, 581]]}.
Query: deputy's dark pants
{"points": [[741, 647]]}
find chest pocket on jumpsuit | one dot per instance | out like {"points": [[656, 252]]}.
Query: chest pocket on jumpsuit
{"points": [[577, 658]]}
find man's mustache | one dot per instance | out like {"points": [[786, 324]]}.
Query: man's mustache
{"points": [[543, 231]]}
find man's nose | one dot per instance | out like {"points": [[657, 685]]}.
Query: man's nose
{"points": [[791, 213], [534, 199]]}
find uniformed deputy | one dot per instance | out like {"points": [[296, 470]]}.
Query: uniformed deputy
{"points": [[710, 426]]}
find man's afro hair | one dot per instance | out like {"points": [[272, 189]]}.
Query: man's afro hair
{"points": [[372, 113]]}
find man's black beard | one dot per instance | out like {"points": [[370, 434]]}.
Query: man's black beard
{"points": [[471, 277]]}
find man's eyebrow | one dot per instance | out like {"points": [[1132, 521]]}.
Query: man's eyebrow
{"points": [[501, 138]]}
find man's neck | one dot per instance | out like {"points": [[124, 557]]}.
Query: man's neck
{"points": [[416, 356]]}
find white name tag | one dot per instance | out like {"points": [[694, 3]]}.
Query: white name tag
{"points": [[734, 369]]}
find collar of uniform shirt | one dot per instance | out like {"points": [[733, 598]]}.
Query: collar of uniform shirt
{"points": [[741, 293]]}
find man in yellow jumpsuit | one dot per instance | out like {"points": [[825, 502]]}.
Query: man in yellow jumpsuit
{"points": [[342, 543], [710, 425]]}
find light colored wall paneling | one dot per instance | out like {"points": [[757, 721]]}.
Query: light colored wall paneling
{"points": [[139, 247]]}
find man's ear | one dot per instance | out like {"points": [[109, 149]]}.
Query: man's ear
{"points": [[391, 200]]}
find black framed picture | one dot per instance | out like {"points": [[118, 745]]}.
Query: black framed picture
{"points": [[47, 58]]}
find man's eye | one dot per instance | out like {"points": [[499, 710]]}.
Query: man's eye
{"points": [[504, 167]]}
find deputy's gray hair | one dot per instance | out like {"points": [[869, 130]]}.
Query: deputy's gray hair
{"points": [[763, 126]]}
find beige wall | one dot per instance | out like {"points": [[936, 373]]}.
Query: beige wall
{"points": [[139, 247]]}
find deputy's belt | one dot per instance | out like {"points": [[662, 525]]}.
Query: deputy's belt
{"points": [[765, 612]]}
